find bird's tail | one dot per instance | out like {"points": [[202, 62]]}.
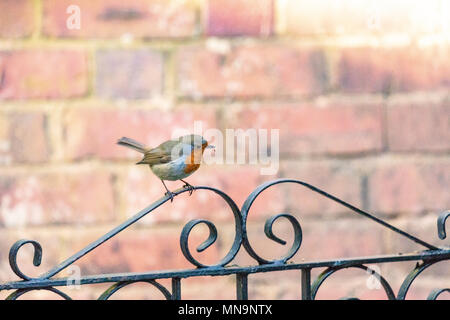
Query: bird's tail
{"points": [[133, 144]]}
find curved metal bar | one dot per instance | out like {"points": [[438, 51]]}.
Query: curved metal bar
{"points": [[16, 294], [37, 256], [436, 292], [38, 250], [119, 285], [269, 233], [252, 197], [184, 237], [412, 276], [441, 224], [46, 282], [329, 271]]}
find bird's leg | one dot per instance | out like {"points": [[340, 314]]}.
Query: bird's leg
{"points": [[168, 193], [189, 186]]}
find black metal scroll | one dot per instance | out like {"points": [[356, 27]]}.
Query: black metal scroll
{"points": [[48, 281]]}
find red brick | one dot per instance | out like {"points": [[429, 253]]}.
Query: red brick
{"points": [[394, 69], [331, 127], [419, 127], [349, 17], [241, 180], [56, 198], [251, 71], [410, 188], [94, 133], [43, 74], [142, 188], [16, 18], [24, 138], [237, 18], [311, 17], [115, 18], [343, 238], [340, 180], [280, 285], [136, 73], [209, 288]]}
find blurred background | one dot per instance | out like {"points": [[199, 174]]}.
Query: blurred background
{"points": [[358, 89]]}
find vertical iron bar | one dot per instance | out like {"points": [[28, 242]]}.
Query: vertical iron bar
{"points": [[306, 284], [176, 289], [242, 286]]}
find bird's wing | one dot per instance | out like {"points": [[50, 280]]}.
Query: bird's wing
{"points": [[161, 154]]}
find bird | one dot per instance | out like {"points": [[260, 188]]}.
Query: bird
{"points": [[172, 160]]}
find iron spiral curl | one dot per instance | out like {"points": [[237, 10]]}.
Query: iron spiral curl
{"points": [[37, 257], [13, 252], [46, 281], [441, 224], [268, 227], [184, 237]]}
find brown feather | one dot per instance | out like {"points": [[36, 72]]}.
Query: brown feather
{"points": [[160, 154], [154, 158], [133, 144]]}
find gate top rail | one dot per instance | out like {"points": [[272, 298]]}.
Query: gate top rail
{"points": [[45, 281]]}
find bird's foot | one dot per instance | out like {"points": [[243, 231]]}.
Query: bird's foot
{"points": [[189, 187], [170, 194]]}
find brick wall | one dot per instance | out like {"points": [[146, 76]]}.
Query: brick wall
{"points": [[359, 91]]}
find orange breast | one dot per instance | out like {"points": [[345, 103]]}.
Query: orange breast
{"points": [[193, 161], [191, 167]]}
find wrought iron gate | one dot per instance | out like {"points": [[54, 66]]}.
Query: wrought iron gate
{"points": [[309, 288]]}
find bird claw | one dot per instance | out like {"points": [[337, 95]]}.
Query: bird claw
{"points": [[170, 194], [189, 187]]}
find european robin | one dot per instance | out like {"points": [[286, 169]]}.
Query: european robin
{"points": [[172, 160]]}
